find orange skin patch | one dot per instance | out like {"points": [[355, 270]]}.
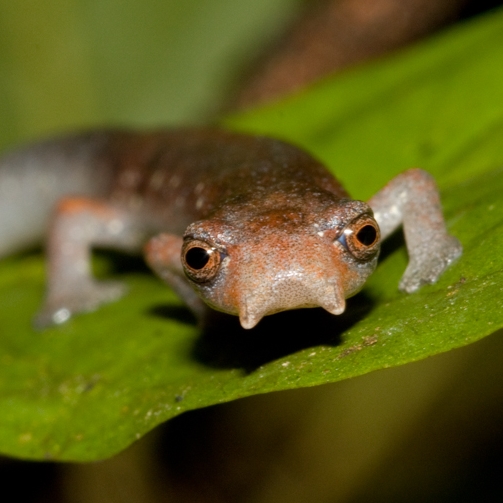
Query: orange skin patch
{"points": [[78, 205]]}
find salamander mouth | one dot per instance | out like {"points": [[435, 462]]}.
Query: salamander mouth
{"points": [[254, 308]]}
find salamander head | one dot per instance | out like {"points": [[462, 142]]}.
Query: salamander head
{"points": [[281, 260]]}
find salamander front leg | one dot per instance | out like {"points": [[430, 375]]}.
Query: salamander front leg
{"points": [[162, 253], [412, 199], [78, 225]]}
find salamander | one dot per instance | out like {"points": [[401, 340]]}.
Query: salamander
{"points": [[248, 225]]}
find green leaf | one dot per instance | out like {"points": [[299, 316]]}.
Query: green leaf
{"points": [[86, 390]]}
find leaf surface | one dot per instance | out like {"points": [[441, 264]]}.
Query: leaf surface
{"points": [[86, 390]]}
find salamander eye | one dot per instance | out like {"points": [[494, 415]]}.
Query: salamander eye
{"points": [[362, 237], [200, 260]]}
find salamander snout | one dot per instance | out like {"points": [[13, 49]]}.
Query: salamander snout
{"points": [[278, 273]]}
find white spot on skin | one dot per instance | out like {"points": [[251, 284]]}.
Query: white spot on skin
{"points": [[174, 181], [61, 316], [391, 211], [115, 227], [199, 203], [199, 188], [321, 234], [394, 210], [129, 178], [157, 179]]}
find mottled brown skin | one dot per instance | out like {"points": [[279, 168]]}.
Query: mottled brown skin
{"points": [[262, 202], [247, 225], [185, 175]]}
